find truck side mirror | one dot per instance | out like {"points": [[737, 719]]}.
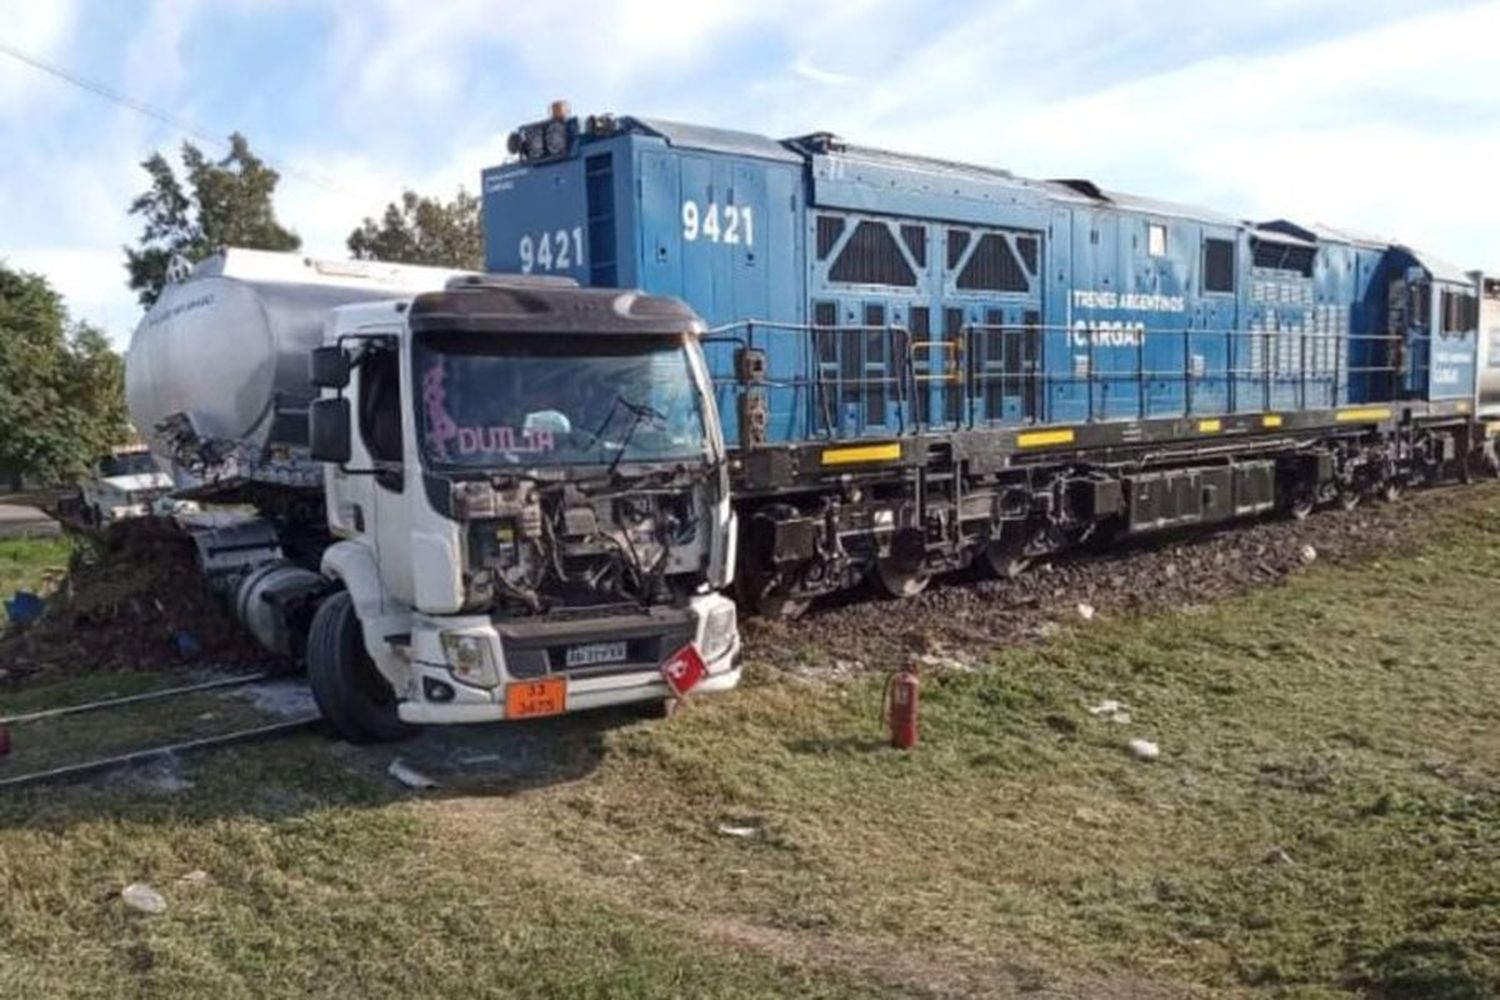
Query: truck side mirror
{"points": [[329, 368], [329, 432]]}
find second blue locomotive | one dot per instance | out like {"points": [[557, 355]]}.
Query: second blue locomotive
{"points": [[924, 363]]}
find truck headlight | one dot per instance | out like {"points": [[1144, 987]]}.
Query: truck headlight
{"points": [[469, 658], [719, 631]]}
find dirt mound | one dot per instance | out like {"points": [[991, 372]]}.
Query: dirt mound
{"points": [[132, 599]]}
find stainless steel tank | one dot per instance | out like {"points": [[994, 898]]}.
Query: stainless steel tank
{"points": [[228, 347]]}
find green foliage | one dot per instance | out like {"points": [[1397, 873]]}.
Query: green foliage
{"points": [[424, 231], [222, 203], [62, 398]]}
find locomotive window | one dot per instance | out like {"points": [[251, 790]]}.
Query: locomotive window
{"points": [[1218, 265], [872, 257], [1156, 239], [993, 267], [1460, 312]]}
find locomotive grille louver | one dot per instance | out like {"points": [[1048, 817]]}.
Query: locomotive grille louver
{"points": [[1284, 257], [1027, 245], [872, 257], [958, 242], [993, 267], [915, 238], [830, 228]]}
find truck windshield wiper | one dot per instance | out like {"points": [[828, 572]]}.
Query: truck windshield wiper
{"points": [[640, 413]]}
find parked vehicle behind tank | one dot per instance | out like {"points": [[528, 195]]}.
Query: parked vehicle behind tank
{"points": [[127, 483]]}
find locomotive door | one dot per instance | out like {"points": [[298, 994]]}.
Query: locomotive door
{"points": [[1003, 353], [860, 344]]}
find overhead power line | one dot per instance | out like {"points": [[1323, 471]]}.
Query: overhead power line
{"points": [[145, 109]]}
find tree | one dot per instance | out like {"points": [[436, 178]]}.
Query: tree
{"points": [[230, 205], [62, 400], [424, 231]]}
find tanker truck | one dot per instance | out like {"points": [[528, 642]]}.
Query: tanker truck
{"points": [[475, 497]]}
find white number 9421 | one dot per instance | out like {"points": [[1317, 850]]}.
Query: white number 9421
{"points": [[732, 224], [556, 251]]}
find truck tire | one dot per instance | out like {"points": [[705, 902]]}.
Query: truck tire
{"points": [[352, 695]]}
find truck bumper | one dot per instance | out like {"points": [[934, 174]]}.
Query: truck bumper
{"points": [[525, 652]]}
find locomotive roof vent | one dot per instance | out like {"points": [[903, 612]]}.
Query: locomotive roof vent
{"points": [[1086, 188]]}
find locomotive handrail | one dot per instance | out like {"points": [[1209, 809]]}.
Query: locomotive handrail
{"points": [[959, 381]]}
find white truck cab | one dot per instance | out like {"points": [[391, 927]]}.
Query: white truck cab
{"points": [[527, 485]]}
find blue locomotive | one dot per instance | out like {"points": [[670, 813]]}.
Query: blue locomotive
{"points": [[920, 363]]}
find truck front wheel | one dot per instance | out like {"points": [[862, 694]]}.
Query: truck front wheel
{"points": [[352, 695]]}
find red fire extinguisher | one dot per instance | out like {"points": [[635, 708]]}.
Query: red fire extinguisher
{"points": [[901, 708]]}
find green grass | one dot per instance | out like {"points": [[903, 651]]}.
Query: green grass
{"points": [[1324, 821], [34, 564]]}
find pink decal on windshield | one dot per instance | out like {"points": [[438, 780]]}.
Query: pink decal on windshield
{"points": [[441, 427], [495, 440]]}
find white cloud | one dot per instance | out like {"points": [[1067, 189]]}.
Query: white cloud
{"points": [[38, 29]]}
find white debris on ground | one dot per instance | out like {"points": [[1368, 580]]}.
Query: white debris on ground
{"points": [[742, 832], [1144, 749], [195, 877], [1110, 711], [1085, 611], [1046, 630], [1277, 856], [1309, 554], [941, 659], [143, 899], [408, 775], [288, 699], [164, 774]]}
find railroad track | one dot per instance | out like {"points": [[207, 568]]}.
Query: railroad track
{"points": [[96, 765]]}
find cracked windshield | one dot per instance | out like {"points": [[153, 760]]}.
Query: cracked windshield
{"points": [[531, 401]]}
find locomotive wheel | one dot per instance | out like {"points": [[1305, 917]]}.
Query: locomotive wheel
{"points": [[1300, 506], [893, 581], [1349, 499], [768, 601], [352, 695], [1004, 562], [1390, 492]]}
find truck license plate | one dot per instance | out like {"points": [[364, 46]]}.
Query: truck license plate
{"points": [[531, 699], [596, 652]]}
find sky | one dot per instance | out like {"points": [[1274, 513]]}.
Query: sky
{"points": [[1367, 114]]}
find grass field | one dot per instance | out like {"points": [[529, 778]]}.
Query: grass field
{"points": [[34, 564], [1324, 821]]}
